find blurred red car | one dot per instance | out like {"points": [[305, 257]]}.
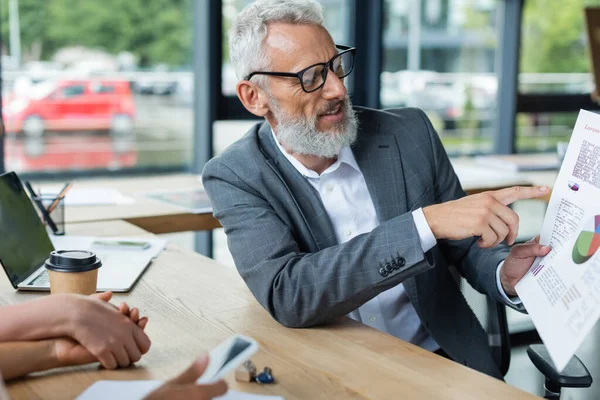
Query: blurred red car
{"points": [[71, 105], [69, 153]]}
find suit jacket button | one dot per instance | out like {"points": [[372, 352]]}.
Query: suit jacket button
{"points": [[401, 261], [383, 272], [388, 267]]}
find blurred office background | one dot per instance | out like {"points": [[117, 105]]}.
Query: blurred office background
{"points": [[136, 87], [61, 61]]}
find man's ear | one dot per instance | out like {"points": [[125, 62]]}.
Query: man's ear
{"points": [[253, 98]]}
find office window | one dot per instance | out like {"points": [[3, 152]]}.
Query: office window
{"points": [[541, 132], [97, 86], [440, 56], [554, 60]]}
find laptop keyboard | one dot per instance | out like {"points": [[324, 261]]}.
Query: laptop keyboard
{"points": [[40, 280], [43, 280]]}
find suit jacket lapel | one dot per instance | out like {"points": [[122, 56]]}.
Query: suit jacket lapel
{"points": [[378, 157], [306, 198]]}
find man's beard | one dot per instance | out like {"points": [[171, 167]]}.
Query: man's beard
{"points": [[300, 134]]}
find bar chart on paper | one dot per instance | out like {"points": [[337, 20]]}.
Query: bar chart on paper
{"points": [[588, 241]]}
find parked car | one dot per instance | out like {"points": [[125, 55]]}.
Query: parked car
{"points": [[70, 153], [158, 86], [71, 105]]}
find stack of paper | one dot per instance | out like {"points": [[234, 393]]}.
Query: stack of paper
{"points": [[521, 162], [473, 176], [194, 200]]}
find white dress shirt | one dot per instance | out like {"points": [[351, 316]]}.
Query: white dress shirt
{"points": [[348, 204]]}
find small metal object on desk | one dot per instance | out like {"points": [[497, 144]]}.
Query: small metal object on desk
{"points": [[266, 376], [246, 372]]}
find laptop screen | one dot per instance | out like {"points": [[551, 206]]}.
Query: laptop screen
{"points": [[24, 242]]}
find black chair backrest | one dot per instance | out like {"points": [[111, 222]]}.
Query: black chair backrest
{"points": [[492, 317]]}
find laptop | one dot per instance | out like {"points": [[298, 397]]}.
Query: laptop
{"points": [[25, 245]]}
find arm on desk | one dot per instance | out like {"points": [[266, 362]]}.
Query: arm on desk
{"points": [[21, 358], [114, 335]]}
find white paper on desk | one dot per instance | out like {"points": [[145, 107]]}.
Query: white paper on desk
{"points": [[91, 196], [477, 176], [193, 200], [116, 390], [86, 243], [133, 390], [516, 163], [562, 290]]}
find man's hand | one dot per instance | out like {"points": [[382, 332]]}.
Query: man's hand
{"points": [[184, 386], [518, 263], [485, 215], [111, 337]]}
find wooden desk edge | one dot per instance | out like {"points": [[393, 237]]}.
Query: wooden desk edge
{"points": [[175, 223]]}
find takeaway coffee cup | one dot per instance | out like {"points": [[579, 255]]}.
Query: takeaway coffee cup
{"points": [[73, 271]]}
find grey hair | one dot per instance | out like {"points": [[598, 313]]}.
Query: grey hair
{"points": [[249, 30]]}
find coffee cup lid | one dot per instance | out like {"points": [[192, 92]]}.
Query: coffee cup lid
{"points": [[72, 261]]}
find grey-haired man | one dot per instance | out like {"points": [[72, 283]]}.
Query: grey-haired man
{"points": [[331, 210]]}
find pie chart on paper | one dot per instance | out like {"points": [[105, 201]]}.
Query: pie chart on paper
{"points": [[588, 241]]}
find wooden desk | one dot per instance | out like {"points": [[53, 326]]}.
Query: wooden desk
{"points": [[194, 303], [150, 215]]}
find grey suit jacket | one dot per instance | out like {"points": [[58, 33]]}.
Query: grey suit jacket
{"points": [[286, 250]]}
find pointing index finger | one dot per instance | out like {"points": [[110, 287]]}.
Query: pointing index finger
{"points": [[512, 194]]}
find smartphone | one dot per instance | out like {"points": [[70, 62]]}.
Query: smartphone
{"points": [[227, 356], [122, 244]]}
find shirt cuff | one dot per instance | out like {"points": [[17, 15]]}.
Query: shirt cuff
{"points": [[511, 300], [426, 237]]}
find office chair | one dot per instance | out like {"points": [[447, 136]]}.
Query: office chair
{"points": [[492, 317]]}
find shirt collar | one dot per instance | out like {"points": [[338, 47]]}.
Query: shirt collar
{"points": [[346, 157]]}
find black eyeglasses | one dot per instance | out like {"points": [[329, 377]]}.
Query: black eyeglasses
{"points": [[313, 78]]}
